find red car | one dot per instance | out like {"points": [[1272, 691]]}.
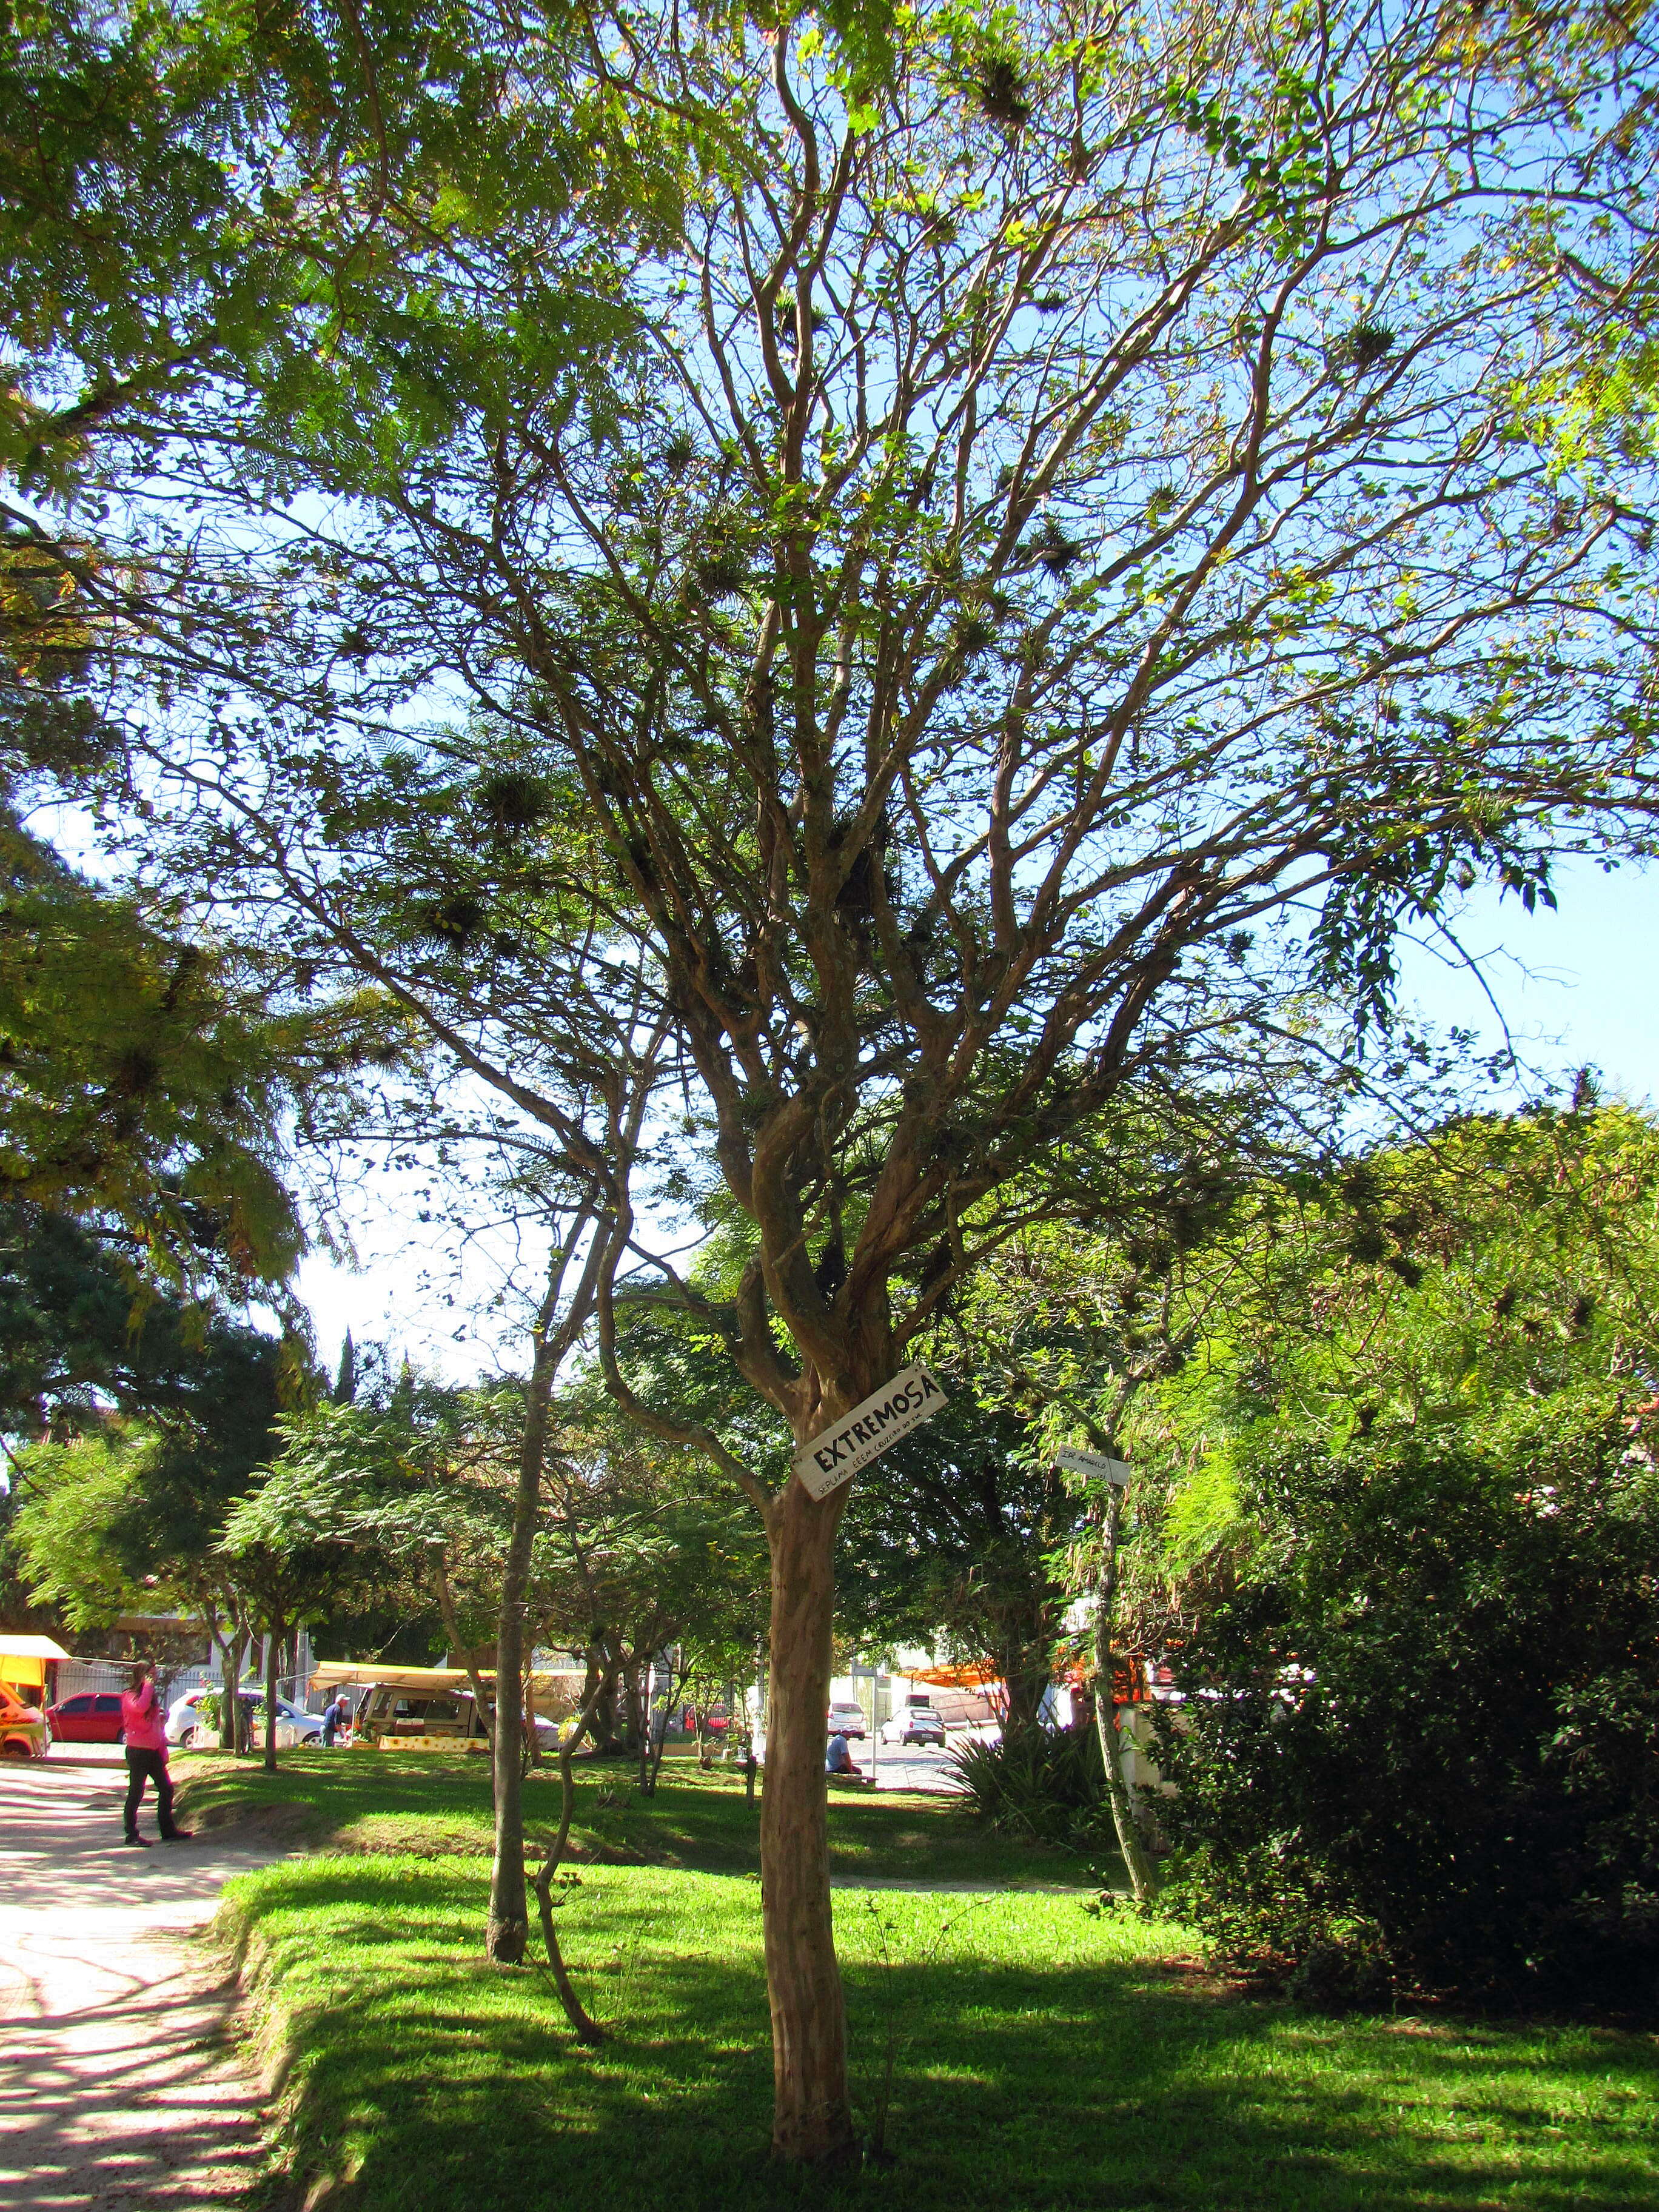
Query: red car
{"points": [[90, 1716]]}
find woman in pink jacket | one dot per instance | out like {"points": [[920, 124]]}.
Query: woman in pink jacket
{"points": [[144, 1730]]}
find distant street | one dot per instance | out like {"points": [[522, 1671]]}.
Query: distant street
{"points": [[920, 1768], [897, 1769]]}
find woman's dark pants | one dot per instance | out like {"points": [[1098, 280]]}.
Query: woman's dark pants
{"points": [[148, 1767]]}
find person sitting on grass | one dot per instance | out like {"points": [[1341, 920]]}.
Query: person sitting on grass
{"points": [[839, 1760], [143, 1731]]}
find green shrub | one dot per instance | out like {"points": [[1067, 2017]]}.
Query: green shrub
{"points": [[1047, 1784], [1420, 1740]]}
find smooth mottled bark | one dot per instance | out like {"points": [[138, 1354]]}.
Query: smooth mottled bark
{"points": [[588, 2030], [508, 1929], [1137, 1858], [274, 1633], [812, 2118]]}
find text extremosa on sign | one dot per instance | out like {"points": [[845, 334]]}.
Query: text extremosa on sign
{"points": [[865, 1433]]}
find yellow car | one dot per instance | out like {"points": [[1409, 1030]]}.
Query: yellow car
{"points": [[23, 1733]]}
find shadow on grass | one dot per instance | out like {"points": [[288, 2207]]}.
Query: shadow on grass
{"points": [[446, 2086], [357, 1800]]}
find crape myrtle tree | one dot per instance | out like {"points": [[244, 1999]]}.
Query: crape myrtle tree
{"points": [[1074, 516]]}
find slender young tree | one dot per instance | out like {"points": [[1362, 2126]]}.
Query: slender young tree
{"points": [[284, 1577], [1075, 522]]}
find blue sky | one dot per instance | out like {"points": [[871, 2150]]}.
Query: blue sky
{"points": [[1579, 985]]}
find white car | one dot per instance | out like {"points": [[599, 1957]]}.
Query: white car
{"points": [[847, 1720], [915, 1724], [182, 1720]]}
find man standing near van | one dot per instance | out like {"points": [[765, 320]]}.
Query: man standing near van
{"points": [[337, 1715], [143, 1731]]}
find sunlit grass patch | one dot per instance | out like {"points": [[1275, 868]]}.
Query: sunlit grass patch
{"points": [[1043, 2056], [381, 1801]]}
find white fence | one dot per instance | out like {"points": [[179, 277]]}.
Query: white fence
{"points": [[76, 1676]]}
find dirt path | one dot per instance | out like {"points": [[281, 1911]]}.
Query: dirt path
{"points": [[121, 2084]]}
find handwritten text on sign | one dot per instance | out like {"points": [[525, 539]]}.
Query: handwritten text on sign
{"points": [[865, 1433], [1095, 1464]]}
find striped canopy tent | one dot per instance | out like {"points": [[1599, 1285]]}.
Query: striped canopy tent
{"points": [[346, 1674]]}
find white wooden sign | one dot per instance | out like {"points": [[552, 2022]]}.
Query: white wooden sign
{"points": [[1097, 1464], [865, 1433]]}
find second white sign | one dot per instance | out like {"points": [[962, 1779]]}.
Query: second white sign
{"points": [[1075, 1461]]}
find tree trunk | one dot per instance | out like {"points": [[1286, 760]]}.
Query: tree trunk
{"points": [[751, 1720], [659, 1742], [647, 1681], [239, 1720], [812, 2118], [604, 1712], [1142, 1876], [1025, 1684], [273, 1661], [588, 2030], [533, 1742], [506, 1933], [222, 1644]]}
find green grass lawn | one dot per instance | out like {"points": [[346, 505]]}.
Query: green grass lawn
{"points": [[1047, 2055], [382, 1801]]}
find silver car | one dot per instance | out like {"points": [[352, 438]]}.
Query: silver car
{"points": [[183, 1718]]}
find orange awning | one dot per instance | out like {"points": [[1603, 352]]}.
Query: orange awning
{"points": [[954, 1678]]}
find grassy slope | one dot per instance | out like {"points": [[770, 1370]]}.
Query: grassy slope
{"points": [[371, 1801], [1049, 2057]]}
